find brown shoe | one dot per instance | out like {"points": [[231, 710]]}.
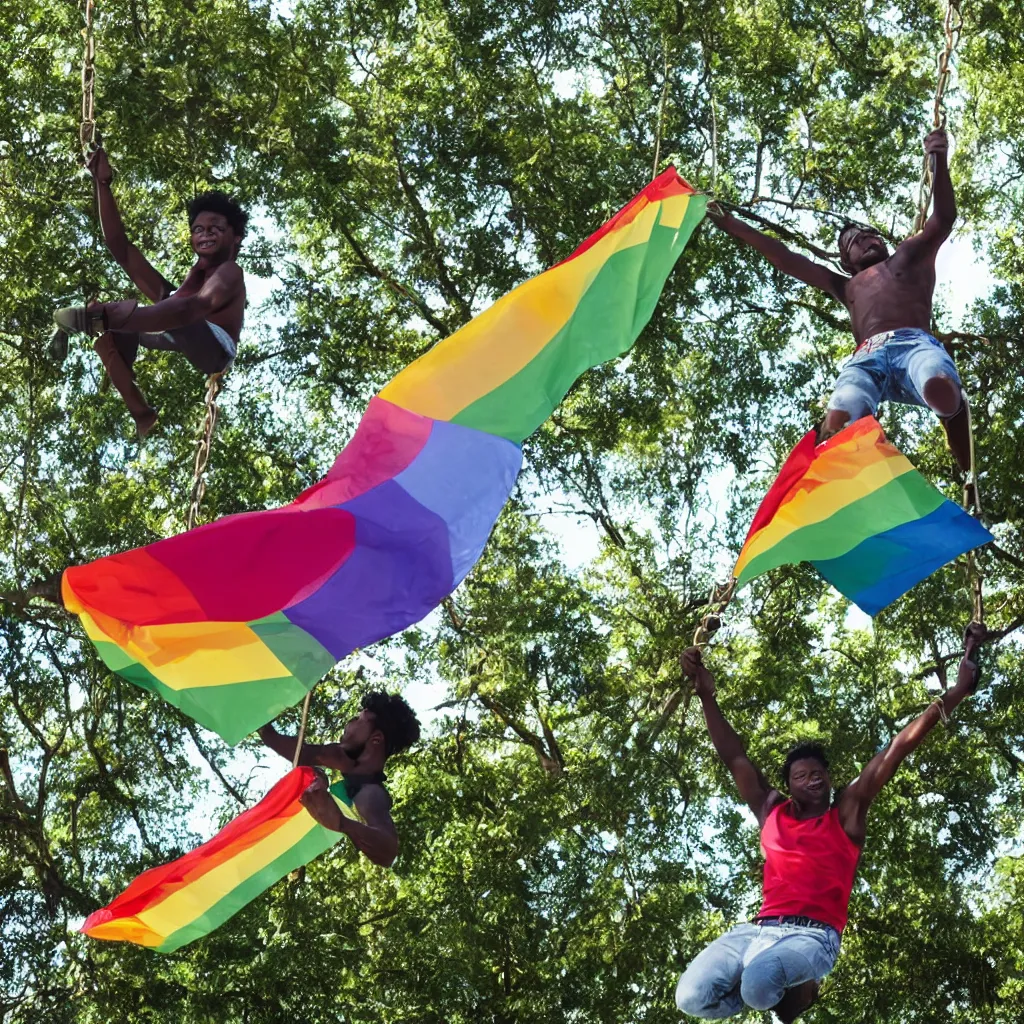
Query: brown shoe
{"points": [[795, 1001]]}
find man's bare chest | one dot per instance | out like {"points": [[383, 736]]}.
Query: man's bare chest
{"points": [[889, 284]]}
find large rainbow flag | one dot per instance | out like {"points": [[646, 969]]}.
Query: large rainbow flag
{"points": [[169, 906], [858, 511], [235, 621]]}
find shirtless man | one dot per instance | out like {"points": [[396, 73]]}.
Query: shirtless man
{"points": [[386, 725], [890, 302], [811, 845], [202, 319]]}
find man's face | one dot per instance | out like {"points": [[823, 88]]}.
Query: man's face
{"points": [[358, 732], [863, 249], [212, 236], [809, 782]]}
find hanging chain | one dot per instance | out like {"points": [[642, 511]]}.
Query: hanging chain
{"points": [[711, 622], [87, 128], [203, 449], [953, 26]]}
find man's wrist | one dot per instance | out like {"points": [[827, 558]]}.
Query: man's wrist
{"points": [[966, 673]]}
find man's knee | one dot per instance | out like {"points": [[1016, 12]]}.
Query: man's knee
{"points": [[848, 403], [943, 395], [694, 994], [763, 983]]}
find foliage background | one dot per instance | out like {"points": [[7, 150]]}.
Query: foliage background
{"points": [[566, 847]]}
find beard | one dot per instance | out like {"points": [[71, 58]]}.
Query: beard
{"points": [[354, 750], [872, 258]]}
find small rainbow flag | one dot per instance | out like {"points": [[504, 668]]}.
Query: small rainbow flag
{"points": [[169, 906], [235, 621], [858, 511]]}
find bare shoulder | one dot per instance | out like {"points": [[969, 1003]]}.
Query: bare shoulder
{"points": [[919, 249], [228, 273], [771, 801], [373, 802]]}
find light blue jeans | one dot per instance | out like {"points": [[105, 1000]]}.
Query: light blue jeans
{"points": [[890, 367], [753, 965]]}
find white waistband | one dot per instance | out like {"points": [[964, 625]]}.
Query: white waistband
{"points": [[226, 341]]}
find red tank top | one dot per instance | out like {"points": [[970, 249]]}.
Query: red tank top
{"points": [[808, 866]]}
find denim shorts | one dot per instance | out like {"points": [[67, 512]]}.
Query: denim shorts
{"points": [[890, 367], [752, 965]]}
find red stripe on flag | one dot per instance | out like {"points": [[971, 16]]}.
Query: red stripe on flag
{"points": [[279, 805]]}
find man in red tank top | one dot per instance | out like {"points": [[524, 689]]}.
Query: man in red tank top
{"points": [[201, 319], [811, 847]]}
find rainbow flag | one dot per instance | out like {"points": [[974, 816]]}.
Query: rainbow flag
{"points": [[235, 621], [169, 906], [858, 511]]}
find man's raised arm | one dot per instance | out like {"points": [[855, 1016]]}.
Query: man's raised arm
{"points": [[780, 256], [329, 755], [858, 796], [754, 790], [943, 216], [144, 276]]}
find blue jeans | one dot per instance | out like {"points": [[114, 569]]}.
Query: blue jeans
{"points": [[753, 965], [890, 367]]}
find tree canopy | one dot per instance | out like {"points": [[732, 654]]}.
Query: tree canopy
{"points": [[569, 840]]}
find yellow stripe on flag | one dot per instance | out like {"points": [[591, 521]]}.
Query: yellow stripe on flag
{"points": [[497, 344]]}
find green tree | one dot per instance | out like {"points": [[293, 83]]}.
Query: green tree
{"points": [[569, 840]]}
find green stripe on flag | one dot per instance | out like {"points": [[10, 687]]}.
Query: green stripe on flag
{"points": [[907, 498], [310, 846], [300, 652], [600, 328]]}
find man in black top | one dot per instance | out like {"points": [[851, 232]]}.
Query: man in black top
{"points": [[386, 725]]}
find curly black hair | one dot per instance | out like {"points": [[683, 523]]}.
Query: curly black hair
{"points": [[813, 751], [395, 719], [219, 202]]}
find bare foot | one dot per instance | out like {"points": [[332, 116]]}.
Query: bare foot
{"points": [[145, 422], [795, 1001]]}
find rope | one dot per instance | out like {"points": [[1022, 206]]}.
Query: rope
{"points": [[302, 730], [87, 128], [203, 449], [972, 502], [952, 28], [661, 110]]}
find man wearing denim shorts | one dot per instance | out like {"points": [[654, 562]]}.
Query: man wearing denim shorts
{"points": [[889, 297], [811, 848], [201, 319]]}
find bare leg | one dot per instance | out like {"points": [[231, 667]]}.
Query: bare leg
{"points": [[795, 1001], [123, 379], [945, 399]]}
